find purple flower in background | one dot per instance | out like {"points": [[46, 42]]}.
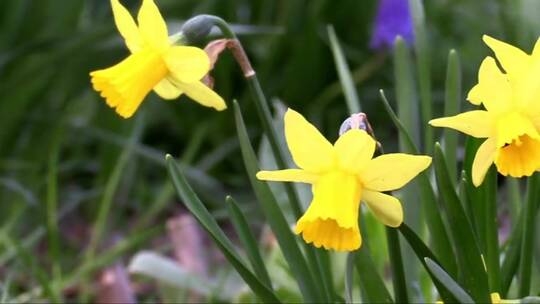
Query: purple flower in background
{"points": [[393, 19]]}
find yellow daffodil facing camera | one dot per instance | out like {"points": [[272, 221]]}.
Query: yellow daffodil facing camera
{"points": [[154, 64], [511, 119], [343, 174]]}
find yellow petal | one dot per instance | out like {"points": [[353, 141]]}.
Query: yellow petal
{"points": [[126, 26], [309, 149], [202, 94], [520, 158], [187, 63], [493, 88], [152, 26], [475, 95], [513, 60], [512, 125], [477, 123], [386, 208], [392, 171], [167, 90], [354, 149], [482, 161], [125, 85], [288, 175], [331, 220]]}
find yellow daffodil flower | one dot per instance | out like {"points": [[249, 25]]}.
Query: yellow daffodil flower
{"points": [[511, 119], [343, 174], [155, 64], [495, 299]]}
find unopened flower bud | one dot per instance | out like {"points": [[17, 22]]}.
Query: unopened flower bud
{"points": [[355, 121], [198, 27]]}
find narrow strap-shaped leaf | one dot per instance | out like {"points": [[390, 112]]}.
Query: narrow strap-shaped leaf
{"points": [[407, 111], [475, 195], [512, 254], [197, 208], [371, 283], [266, 119], [323, 259], [405, 92], [439, 237], [471, 266], [396, 262], [452, 100], [345, 78], [248, 240], [421, 47], [449, 283], [422, 251], [527, 240], [275, 217]]}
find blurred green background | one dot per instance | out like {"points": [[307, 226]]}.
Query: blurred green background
{"points": [[59, 142]]}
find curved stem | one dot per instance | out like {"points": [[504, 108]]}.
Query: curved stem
{"points": [[263, 111]]}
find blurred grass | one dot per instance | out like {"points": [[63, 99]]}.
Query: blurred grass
{"points": [[47, 48]]}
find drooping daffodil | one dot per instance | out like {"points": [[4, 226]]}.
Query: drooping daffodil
{"points": [[342, 175], [155, 63], [511, 119]]}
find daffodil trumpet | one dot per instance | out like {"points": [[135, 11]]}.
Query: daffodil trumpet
{"points": [[156, 63], [342, 175], [510, 120]]}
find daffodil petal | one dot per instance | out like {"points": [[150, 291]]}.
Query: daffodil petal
{"points": [[513, 60], [493, 88], [167, 90], [354, 149], [288, 175], [475, 95], [392, 171], [202, 94], [126, 26], [512, 125], [386, 208], [152, 26], [477, 123], [482, 161], [187, 63], [309, 149]]}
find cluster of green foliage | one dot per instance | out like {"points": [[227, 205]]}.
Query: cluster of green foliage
{"points": [[81, 188]]}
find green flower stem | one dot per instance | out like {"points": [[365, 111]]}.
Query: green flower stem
{"points": [[491, 237], [263, 110], [525, 265]]}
